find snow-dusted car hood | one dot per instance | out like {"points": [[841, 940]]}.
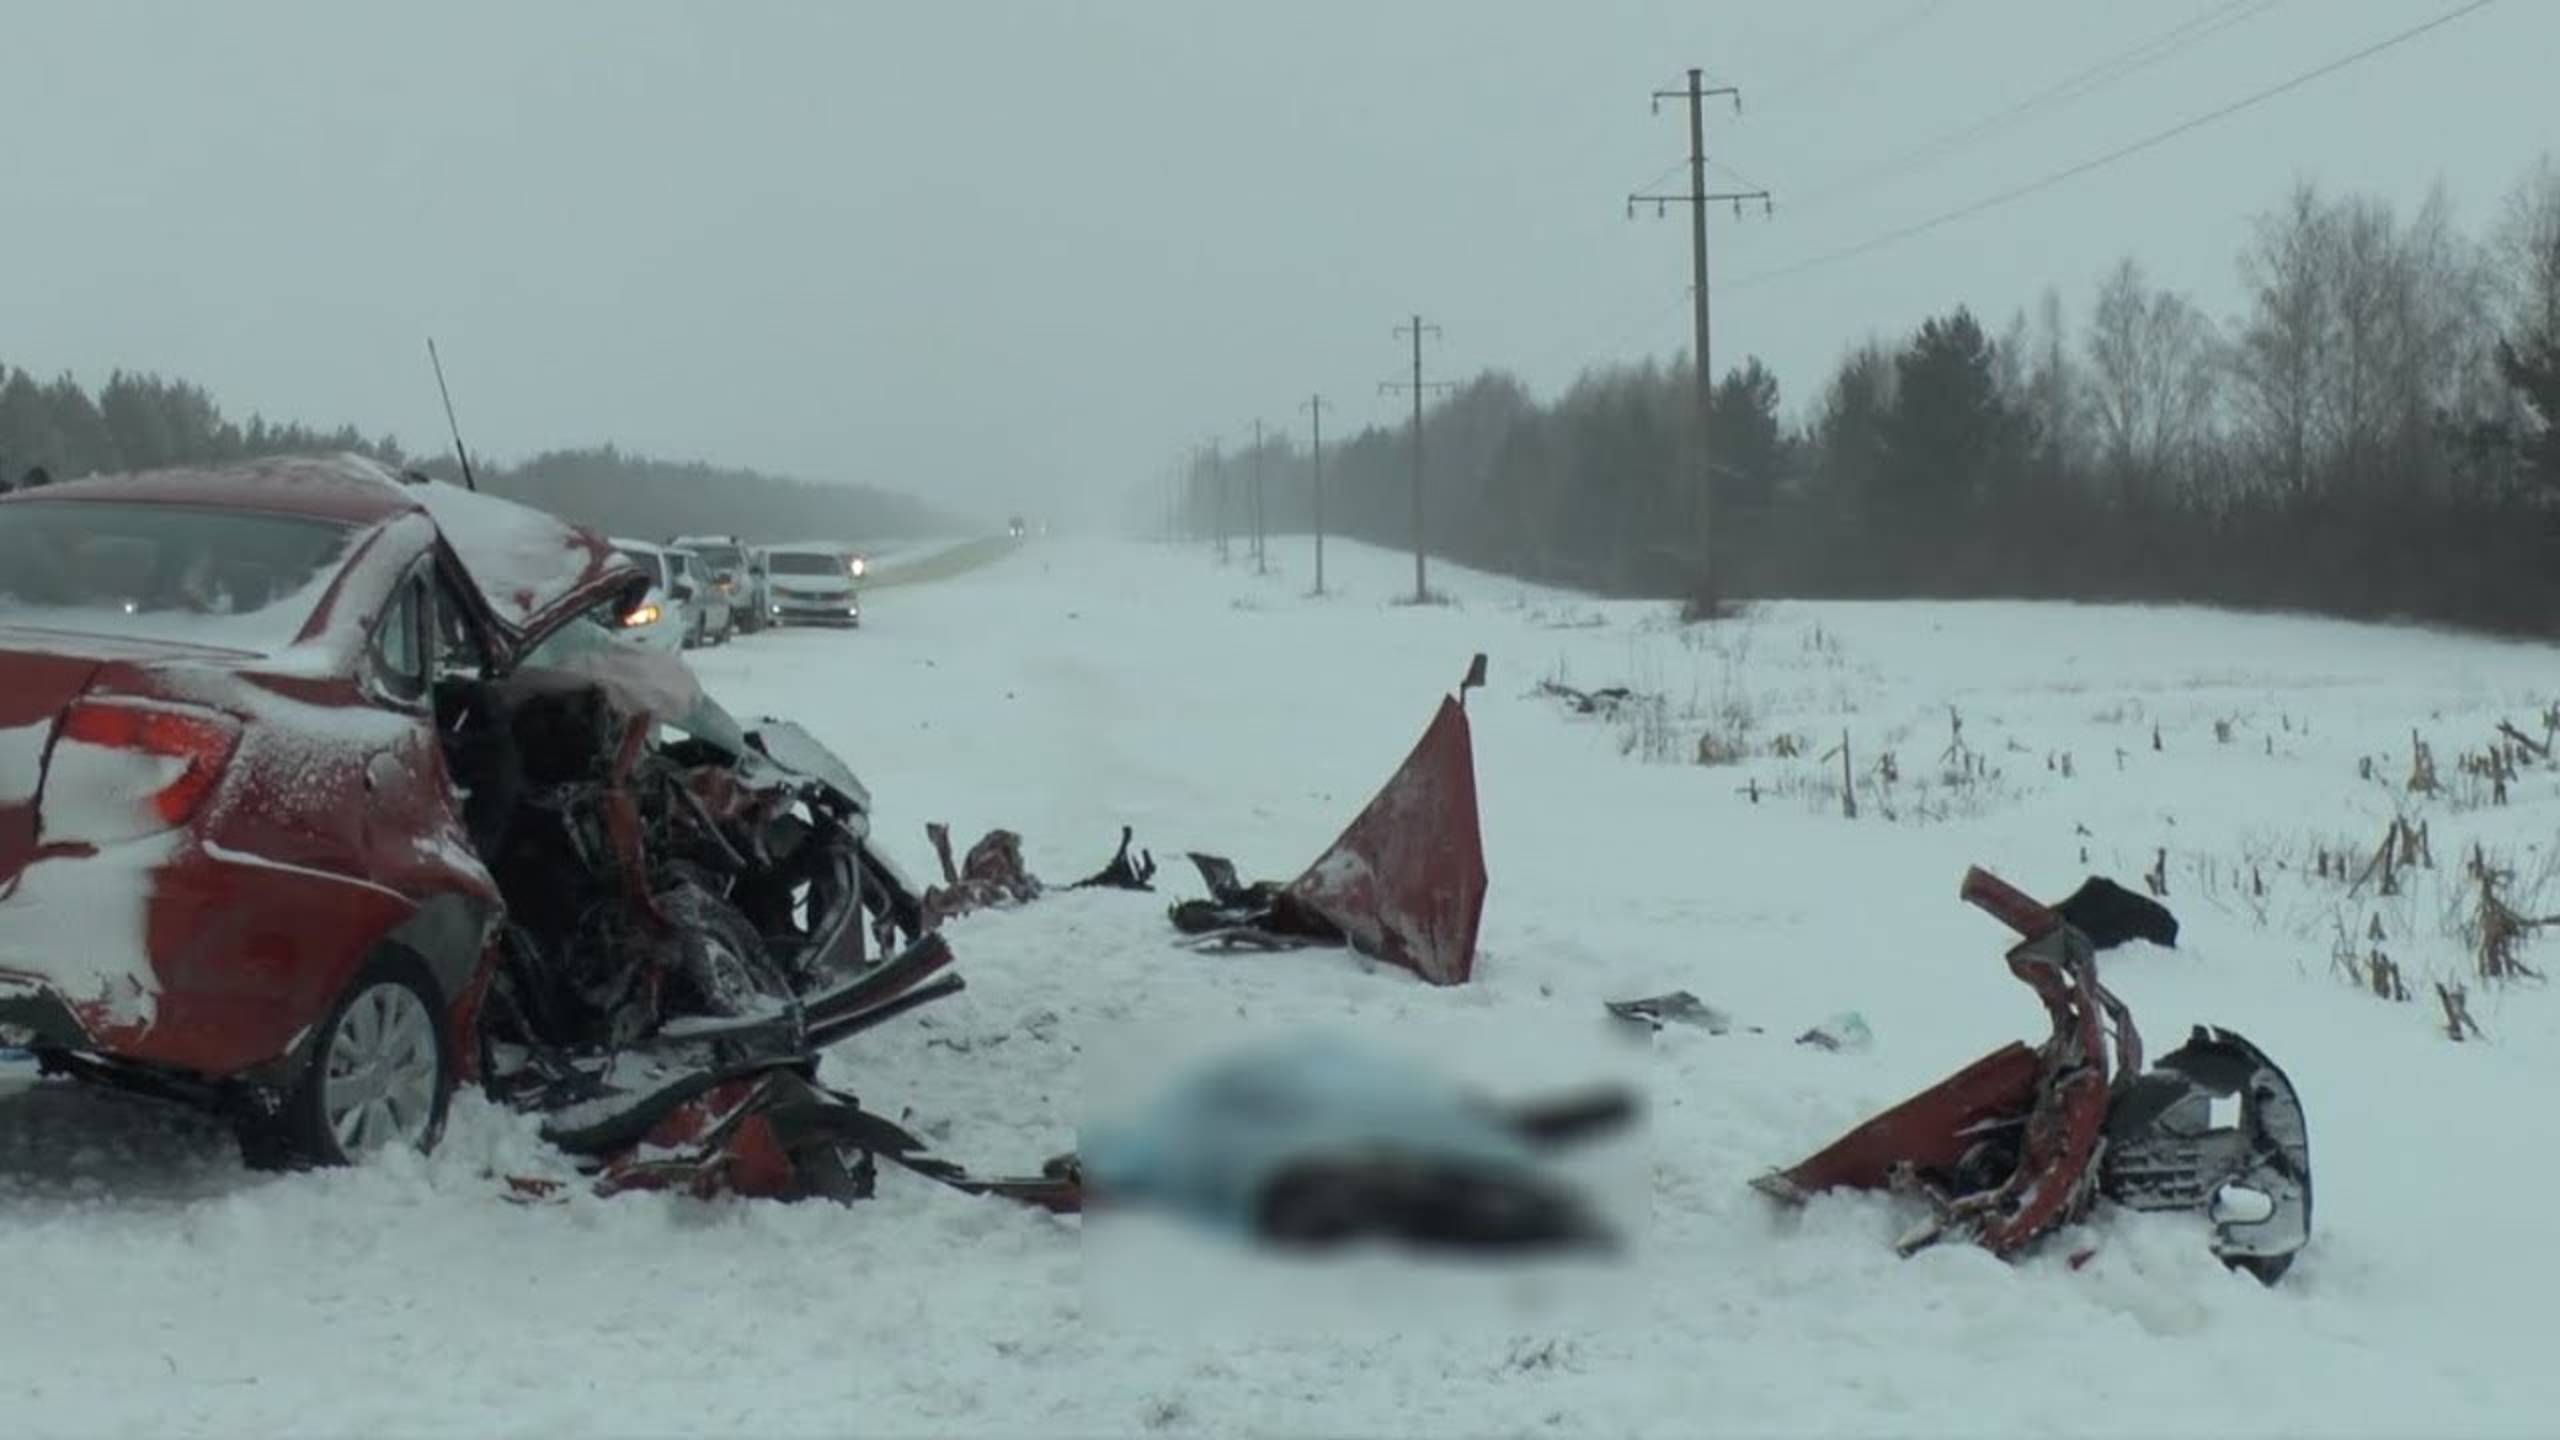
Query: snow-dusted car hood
{"points": [[534, 570]]}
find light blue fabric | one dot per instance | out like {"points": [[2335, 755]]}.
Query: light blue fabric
{"points": [[1208, 1144]]}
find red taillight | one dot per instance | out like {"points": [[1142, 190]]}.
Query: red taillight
{"points": [[200, 741]]}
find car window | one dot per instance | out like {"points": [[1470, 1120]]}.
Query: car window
{"points": [[399, 650], [805, 563], [458, 649], [200, 576]]}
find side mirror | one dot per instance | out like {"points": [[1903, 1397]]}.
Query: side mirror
{"points": [[682, 591]]}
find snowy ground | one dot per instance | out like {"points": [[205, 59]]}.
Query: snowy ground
{"points": [[1075, 686]]}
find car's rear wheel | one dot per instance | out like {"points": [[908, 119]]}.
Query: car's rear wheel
{"points": [[379, 1073]]}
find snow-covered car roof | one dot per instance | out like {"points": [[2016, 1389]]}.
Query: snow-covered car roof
{"points": [[530, 569]]}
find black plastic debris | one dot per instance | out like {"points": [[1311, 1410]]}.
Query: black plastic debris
{"points": [[1126, 871], [1262, 915], [2110, 915], [1604, 702], [1679, 1007]]}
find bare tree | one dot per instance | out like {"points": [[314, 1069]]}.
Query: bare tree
{"points": [[2526, 254], [2363, 282], [2150, 381], [2277, 359], [2522, 429]]}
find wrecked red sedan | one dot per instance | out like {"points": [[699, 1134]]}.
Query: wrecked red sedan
{"points": [[303, 763]]}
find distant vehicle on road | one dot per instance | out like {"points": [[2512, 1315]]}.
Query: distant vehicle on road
{"points": [[814, 584], [732, 573], [715, 616], [664, 618], [1016, 528]]}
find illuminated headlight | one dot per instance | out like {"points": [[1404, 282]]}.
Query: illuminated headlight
{"points": [[645, 615], [860, 566]]}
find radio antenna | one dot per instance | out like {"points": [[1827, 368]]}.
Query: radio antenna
{"points": [[459, 453]]}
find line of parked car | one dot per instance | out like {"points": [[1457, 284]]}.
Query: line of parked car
{"points": [[708, 589]]}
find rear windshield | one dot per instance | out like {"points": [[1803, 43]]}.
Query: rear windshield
{"points": [[718, 557], [235, 579], [783, 562], [647, 560]]}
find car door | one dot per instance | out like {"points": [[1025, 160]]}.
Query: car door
{"points": [[414, 837], [416, 841]]}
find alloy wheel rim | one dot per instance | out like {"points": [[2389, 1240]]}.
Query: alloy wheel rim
{"points": [[378, 1084]]}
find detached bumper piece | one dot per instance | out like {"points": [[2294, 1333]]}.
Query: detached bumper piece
{"points": [[2026, 1140]]}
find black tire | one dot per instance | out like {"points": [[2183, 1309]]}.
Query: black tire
{"points": [[721, 967], [302, 1134]]}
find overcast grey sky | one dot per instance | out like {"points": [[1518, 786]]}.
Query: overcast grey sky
{"points": [[990, 252]]}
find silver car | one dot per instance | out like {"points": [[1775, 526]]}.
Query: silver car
{"points": [[715, 619], [724, 558], [813, 584]]}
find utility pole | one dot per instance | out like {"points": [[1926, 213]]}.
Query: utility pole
{"points": [[1259, 565], [1218, 472], [1417, 387], [1315, 419], [1698, 200]]}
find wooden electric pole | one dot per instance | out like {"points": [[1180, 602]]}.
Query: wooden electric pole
{"points": [[1218, 472], [1417, 387], [1315, 421], [1260, 567], [1698, 200]]}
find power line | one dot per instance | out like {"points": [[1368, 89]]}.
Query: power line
{"points": [[1604, 338], [2087, 81], [1737, 176], [1848, 56], [2122, 152], [1674, 168]]}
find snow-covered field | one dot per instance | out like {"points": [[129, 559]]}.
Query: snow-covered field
{"points": [[1075, 686]]}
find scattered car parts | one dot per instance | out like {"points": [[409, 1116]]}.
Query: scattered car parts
{"points": [[2026, 1140]]}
